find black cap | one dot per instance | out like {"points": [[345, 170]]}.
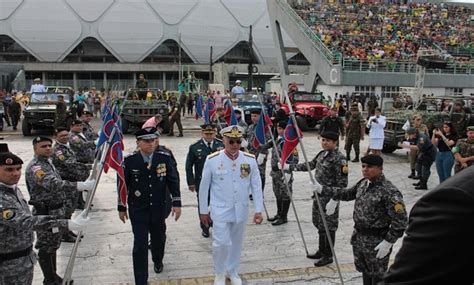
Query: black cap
{"points": [[61, 129], [330, 135], [41, 139], [237, 111], [76, 122], [411, 131], [146, 134], [256, 111], [8, 158], [372, 159], [281, 124], [88, 113], [208, 128]]}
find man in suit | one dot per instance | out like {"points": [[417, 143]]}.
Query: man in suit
{"points": [[196, 157], [231, 175]]}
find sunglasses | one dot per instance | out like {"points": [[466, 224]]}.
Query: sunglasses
{"points": [[237, 141]]}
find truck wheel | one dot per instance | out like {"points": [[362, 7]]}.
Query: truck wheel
{"points": [[389, 148], [125, 126], [302, 123], [25, 128]]}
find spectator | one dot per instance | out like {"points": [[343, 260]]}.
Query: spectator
{"points": [[444, 139]]}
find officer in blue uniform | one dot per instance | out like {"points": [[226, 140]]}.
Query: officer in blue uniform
{"points": [[147, 175], [196, 157]]}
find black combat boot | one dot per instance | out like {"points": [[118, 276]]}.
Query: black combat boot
{"points": [[348, 156], [356, 158], [416, 183], [322, 243], [277, 216], [366, 279], [412, 175], [283, 219], [46, 263], [422, 185], [327, 253]]}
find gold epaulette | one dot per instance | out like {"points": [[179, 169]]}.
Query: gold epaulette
{"points": [[214, 154], [249, 154]]}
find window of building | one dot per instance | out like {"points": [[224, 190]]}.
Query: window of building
{"points": [[453, 91], [240, 53], [366, 91], [90, 50], [11, 51], [168, 51], [59, 79], [390, 91], [298, 59]]}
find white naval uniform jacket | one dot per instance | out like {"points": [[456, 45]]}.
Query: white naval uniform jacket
{"points": [[376, 129], [230, 183]]}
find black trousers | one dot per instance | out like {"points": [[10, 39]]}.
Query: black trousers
{"points": [[146, 222], [208, 201]]}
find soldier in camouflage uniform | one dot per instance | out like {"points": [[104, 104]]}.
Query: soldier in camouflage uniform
{"points": [[82, 147], [17, 259], [355, 130], [47, 195], [459, 118], [64, 159], [464, 151], [380, 219], [88, 130], [283, 197], [331, 173], [219, 121], [60, 113]]}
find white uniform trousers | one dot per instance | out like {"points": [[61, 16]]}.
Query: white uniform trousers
{"points": [[227, 243]]}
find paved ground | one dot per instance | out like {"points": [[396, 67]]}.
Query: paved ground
{"points": [[272, 255]]}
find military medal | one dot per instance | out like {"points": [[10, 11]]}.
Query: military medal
{"points": [[244, 170], [161, 169]]}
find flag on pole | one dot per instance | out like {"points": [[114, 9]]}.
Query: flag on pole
{"points": [[199, 107], [229, 114], [114, 160], [209, 111], [108, 125], [261, 129], [291, 141]]}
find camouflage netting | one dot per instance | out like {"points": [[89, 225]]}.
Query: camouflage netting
{"points": [[429, 118]]}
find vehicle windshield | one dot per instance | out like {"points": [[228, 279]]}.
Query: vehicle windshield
{"points": [[144, 94], [248, 98], [306, 97], [47, 97]]}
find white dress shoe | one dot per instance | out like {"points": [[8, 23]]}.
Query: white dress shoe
{"points": [[235, 280], [219, 279]]}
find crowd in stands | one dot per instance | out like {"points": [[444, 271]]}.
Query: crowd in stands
{"points": [[376, 31]]}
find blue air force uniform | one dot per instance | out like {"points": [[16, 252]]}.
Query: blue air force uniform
{"points": [[147, 179]]}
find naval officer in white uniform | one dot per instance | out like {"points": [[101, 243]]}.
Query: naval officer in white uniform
{"points": [[231, 175]]}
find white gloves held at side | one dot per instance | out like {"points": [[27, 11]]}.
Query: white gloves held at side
{"points": [[331, 207], [260, 159], [85, 185], [79, 223], [383, 249], [317, 188], [286, 167]]}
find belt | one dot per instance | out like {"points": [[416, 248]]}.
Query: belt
{"points": [[15, 254], [372, 231]]}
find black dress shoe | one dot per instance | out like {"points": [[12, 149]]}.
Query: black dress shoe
{"points": [[316, 255], [416, 184], [325, 260], [205, 233], [68, 238], [180, 135], [280, 221], [276, 217], [158, 267]]}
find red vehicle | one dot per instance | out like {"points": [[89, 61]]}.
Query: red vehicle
{"points": [[309, 108]]}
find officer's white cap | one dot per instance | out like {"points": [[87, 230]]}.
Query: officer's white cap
{"points": [[238, 81], [232, 131]]}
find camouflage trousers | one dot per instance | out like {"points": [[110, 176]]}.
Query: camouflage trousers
{"points": [[279, 187], [365, 259], [332, 221], [261, 169], [352, 142], [18, 271], [50, 240]]}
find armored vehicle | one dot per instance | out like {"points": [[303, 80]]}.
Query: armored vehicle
{"points": [[138, 107]]}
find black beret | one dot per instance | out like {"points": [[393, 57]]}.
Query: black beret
{"points": [[77, 122], [330, 135], [61, 129], [88, 113], [281, 124], [256, 111], [372, 159], [237, 111], [41, 139], [411, 131], [146, 134], [8, 158]]}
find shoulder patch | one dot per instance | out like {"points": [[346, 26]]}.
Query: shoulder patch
{"points": [[249, 154], [38, 171], [399, 208], [344, 168], [8, 214], [214, 154]]}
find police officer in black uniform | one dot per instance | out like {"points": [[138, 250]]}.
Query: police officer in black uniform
{"points": [[147, 175], [196, 157]]}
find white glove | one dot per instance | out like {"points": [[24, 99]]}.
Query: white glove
{"points": [[331, 207], [85, 185], [317, 187], [260, 159], [286, 167], [383, 249], [79, 223], [288, 177], [96, 141], [244, 143]]}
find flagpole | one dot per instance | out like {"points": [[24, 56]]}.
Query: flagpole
{"points": [[70, 265], [288, 192], [313, 180]]}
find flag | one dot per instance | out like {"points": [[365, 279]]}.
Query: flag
{"points": [[291, 141], [261, 129], [229, 114], [199, 107], [114, 160], [108, 125], [106, 109], [209, 111]]}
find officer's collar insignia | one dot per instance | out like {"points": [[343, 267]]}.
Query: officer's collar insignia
{"points": [[8, 214], [244, 170]]}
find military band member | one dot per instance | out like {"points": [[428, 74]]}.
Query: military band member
{"points": [[195, 159], [17, 259], [464, 151], [82, 147], [64, 159], [380, 218], [231, 175], [283, 197], [88, 130], [331, 174], [147, 174], [48, 196]]}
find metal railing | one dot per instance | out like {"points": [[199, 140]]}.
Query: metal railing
{"points": [[330, 57]]}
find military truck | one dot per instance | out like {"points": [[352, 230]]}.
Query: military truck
{"points": [[136, 111], [309, 108], [40, 112]]}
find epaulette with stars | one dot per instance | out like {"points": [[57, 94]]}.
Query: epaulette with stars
{"points": [[214, 154], [248, 154], [163, 153]]}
